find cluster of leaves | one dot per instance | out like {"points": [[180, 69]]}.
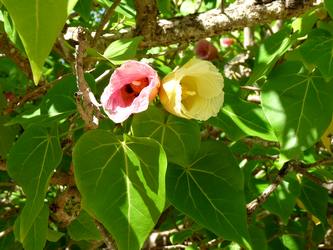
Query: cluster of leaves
{"points": [[197, 175]]}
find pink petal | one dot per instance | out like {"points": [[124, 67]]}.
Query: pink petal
{"points": [[119, 104]]}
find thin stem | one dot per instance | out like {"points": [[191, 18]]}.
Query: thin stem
{"points": [[108, 14], [108, 240]]}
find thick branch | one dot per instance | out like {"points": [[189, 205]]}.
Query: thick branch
{"points": [[146, 18], [214, 22], [86, 102]]}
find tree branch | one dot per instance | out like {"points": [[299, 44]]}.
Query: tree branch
{"points": [[146, 18], [214, 22], [253, 205], [86, 102]]}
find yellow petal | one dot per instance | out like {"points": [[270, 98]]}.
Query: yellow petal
{"points": [[194, 91]]}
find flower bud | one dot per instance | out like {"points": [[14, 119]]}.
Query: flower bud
{"points": [[227, 42], [132, 86], [194, 91], [205, 50]]}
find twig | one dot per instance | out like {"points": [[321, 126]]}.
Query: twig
{"points": [[252, 88], [327, 161], [253, 205], [12, 52], [327, 185], [256, 140], [108, 240], [86, 102], [3, 165], [259, 157], [31, 95], [178, 246], [108, 14], [6, 232]]}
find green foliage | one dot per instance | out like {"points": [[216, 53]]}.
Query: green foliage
{"points": [[157, 179]]}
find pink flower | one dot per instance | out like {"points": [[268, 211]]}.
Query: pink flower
{"points": [[132, 86], [205, 50]]}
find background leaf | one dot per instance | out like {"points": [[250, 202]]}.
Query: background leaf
{"points": [[283, 199], [329, 7], [7, 135], [240, 118], [123, 49], [314, 198], [206, 187], [84, 228], [38, 23], [317, 49], [269, 53], [298, 105], [122, 183], [179, 137], [38, 150]]}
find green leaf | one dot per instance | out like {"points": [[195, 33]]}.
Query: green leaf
{"points": [[84, 228], [31, 163], [37, 234], [314, 199], [38, 23], [269, 53], [123, 49], [7, 135], [122, 183], [329, 7], [240, 118], [210, 190], [317, 50], [298, 105], [179, 137]]}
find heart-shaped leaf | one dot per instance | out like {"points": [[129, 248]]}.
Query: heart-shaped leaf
{"points": [[210, 190], [31, 163], [122, 183], [318, 50], [298, 105]]}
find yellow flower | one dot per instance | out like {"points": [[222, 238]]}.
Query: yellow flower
{"points": [[194, 91]]}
